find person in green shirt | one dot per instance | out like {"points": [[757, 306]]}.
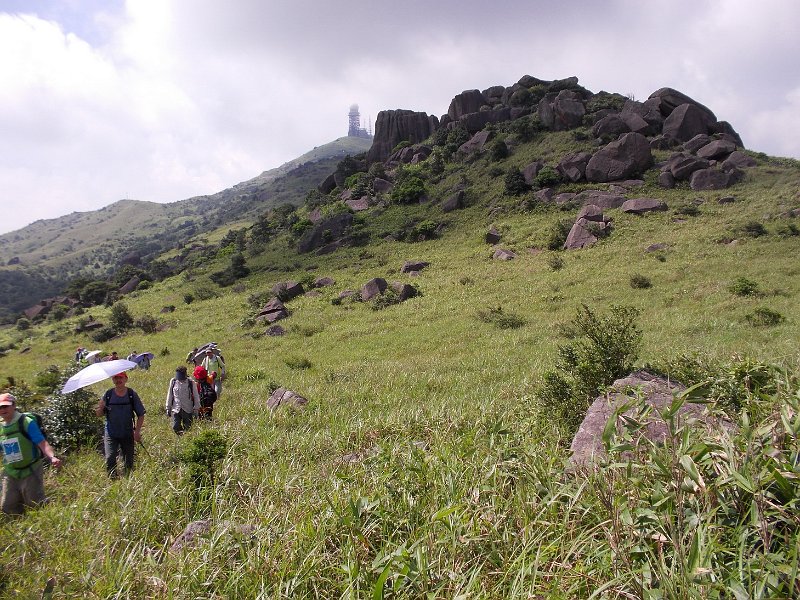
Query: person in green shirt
{"points": [[24, 447]]}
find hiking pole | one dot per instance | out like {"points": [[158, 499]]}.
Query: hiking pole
{"points": [[145, 449]]}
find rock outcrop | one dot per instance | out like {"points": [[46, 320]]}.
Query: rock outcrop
{"points": [[395, 126]]}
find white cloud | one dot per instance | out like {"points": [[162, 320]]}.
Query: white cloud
{"points": [[165, 99]]}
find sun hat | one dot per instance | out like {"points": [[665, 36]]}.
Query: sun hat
{"points": [[123, 374], [7, 400]]}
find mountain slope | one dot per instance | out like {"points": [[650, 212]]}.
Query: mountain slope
{"points": [[41, 258], [428, 462]]}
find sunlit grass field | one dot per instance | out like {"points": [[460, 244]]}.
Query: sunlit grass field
{"points": [[423, 464]]}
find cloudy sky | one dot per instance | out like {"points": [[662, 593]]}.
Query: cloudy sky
{"points": [[162, 100]]}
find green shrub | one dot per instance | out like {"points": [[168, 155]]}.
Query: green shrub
{"points": [[640, 282], [788, 230], [297, 363], [555, 262], [201, 456], [764, 317], [49, 380], [547, 177], [498, 150], [70, 419], [147, 324], [400, 146], [204, 293], [499, 318], [411, 189], [23, 324], [121, 318], [742, 286], [515, 182], [188, 298], [558, 234], [603, 349], [754, 229], [104, 334]]}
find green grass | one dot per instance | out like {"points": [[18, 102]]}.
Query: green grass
{"points": [[423, 465]]}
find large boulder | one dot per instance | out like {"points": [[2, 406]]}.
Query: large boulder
{"points": [[683, 165], [639, 206], [573, 166], [317, 237], [580, 236], [714, 179], [272, 311], [611, 125], [738, 160], [668, 99], [374, 287], [568, 109], [476, 142], [600, 199], [413, 266], [454, 201], [716, 150], [286, 290], [395, 126], [685, 122], [587, 446], [469, 101], [474, 122], [532, 170], [628, 156]]}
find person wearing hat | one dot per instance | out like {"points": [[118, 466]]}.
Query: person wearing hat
{"points": [[205, 391], [120, 405], [215, 366], [24, 447], [183, 401]]}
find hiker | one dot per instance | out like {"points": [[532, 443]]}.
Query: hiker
{"points": [[119, 405], [112, 356], [24, 447], [183, 401], [79, 353], [216, 368], [190, 356], [205, 390], [131, 356]]}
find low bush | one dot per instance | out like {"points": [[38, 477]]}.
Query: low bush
{"points": [[147, 324], [555, 262], [764, 317], [501, 319], [547, 177], [515, 182], [558, 233], [640, 282], [754, 229], [742, 286], [297, 363], [603, 349]]}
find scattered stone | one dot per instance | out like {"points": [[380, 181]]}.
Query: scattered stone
{"points": [[492, 236], [358, 204], [413, 266], [323, 282], [656, 247], [738, 160], [573, 166], [454, 202], [287, 290], [275, 331], [274, 310], [713, 179], [404, 291], [503, 254], [282, 396], [196, 529], [666, 180], [639, 206], [374, 287], [727, 200], [346, 294]]}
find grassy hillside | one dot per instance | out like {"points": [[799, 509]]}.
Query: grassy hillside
{"points": [[37, 261], [425, 463]]}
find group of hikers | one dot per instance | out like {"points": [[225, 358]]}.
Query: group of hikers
{"points": [[84, 355], [25, 446]]}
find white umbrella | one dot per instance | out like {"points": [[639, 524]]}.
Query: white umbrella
{"points": [[89, 355], [96, 372]]}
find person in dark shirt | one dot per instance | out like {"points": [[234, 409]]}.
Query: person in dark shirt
{"points": [[119, 405]]}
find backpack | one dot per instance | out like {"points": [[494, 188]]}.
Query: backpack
{"points": [[28, 417], [207, 394], [107, 399]]}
